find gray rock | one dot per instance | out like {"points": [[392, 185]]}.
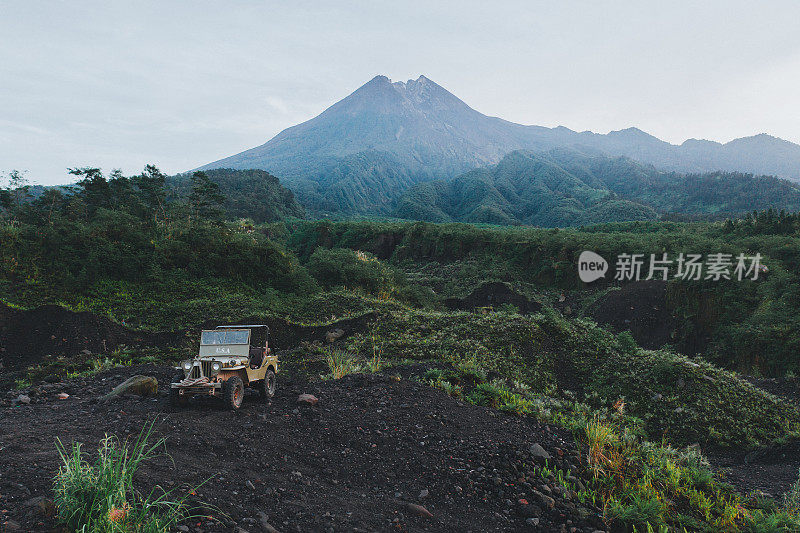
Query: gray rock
{"points": [[333, 335], [538, 452], [24, 399], [265, 525], [418, 510], [545, 500], [138, 385], [10, 526], [307, 399]]}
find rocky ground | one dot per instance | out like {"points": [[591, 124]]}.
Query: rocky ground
{"points": [[376, 453]]}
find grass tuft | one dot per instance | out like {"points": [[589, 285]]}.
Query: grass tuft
{"points": [[341, 364], [99, 496]]}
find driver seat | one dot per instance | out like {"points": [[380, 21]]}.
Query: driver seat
{"points": [[256, 357]]}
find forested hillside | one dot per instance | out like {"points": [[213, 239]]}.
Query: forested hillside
{"points": [[128, 228], [570, 188], [745, 325], [253, 194]]}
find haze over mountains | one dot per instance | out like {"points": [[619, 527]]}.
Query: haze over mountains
{"points": [[361, 154]]}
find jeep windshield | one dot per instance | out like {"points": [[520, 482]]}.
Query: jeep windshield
{"points": [[235, 336]]}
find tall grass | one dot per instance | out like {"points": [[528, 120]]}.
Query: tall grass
{"points": [[341, 364], [99, 496], [602, 455]]}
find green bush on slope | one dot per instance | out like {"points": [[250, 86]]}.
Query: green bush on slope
{"points": [[669, 395]]}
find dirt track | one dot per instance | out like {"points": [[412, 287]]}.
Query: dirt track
{"points": [[372, 445]]}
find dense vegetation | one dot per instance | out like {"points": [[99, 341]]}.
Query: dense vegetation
{"points": [[368, 182], [252, 194], [120, 247], [125, 232], [99, 495], [571, 188], [747, 325], [125, 228]]}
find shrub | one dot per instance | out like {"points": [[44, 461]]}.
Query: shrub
{"points": [[486, 394], [99, 497], [601, 440], [352, 269], [791, 500], [508, 308]]}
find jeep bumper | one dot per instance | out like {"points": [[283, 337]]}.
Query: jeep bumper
{"points": [[208, 389]]}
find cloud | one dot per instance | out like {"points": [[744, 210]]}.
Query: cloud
{"points": [[181, 84]]}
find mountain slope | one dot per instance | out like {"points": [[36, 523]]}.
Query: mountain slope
{"points": [[565, 187], [386, 136], [419, 121]]}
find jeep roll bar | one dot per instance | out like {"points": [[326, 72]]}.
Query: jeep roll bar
{"points": [[244, 326]]}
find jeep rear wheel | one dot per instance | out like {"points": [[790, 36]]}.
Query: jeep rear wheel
{"points": [[267, 386], [233, 392]]}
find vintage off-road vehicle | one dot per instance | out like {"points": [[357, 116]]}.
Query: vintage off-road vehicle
{"points": [[230, 359]]}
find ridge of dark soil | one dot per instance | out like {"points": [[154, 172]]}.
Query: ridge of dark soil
{"points": [[26, 336], [284, 334], [494, 294], [353, 462], [640, 308], [771, 470]]}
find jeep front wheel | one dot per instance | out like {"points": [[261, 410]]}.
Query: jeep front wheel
{"points": [[267, 386], [233, 392]]}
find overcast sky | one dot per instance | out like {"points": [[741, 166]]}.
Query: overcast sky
{"points": [[179, 84]]}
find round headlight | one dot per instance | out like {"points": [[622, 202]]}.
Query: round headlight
{"points": [[187, 365], [215, 367]]}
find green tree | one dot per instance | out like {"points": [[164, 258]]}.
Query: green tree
{"points": [[153, 192], [92, 189], [15, 193], [205, 200]]}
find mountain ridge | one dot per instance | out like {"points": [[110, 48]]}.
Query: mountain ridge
{"points": [[565, 187], [427, 133]]}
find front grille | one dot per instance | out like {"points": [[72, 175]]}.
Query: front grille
{"points": [[206, 368], [195, 372]]}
